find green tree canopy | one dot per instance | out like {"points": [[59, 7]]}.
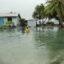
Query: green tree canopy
{"points": [[55, 8], [39, 11]]}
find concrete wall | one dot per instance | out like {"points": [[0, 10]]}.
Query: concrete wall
{"points": [[15, 20], [5, 20]]}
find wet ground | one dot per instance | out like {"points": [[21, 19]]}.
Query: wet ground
{"points": [[41, 46]]}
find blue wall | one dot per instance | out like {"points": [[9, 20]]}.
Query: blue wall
{"points": [[1, 21]]}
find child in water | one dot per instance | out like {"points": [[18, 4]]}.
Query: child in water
{"points": [[27, 30], [23, 30]]}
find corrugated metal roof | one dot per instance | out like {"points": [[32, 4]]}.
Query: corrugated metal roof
{"points": [[9, 14]]}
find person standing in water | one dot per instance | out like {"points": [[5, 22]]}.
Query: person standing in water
{"points": [[27, 30], [23, 30]]}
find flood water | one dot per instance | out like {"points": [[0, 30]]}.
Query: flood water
{"points": [[41, 46]]}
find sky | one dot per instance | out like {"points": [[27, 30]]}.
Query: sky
{"points": [[24, 7]]}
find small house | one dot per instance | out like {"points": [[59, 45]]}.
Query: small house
{"points": [[14, 17]]}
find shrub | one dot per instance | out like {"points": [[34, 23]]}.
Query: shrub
{"points": [[52, 23], [10, 23], [23, 22]]}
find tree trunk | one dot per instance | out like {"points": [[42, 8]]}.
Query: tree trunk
{"points": [[61, 23], [60, 20]]}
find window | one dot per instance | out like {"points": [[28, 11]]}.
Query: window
{"points": [[9, 18]]}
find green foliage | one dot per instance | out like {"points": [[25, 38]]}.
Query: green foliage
{"points": [[3, 25], [10, 23], [52, 23], [39, 11], [23, 22], [55, 8]]}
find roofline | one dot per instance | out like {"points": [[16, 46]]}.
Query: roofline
{"points": [[7, 16], [11, 15]]}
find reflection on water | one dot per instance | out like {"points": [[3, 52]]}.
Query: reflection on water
{"points": [[43, 45], [54, 42], [38, 28]]}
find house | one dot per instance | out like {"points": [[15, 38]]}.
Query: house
{"points": [[14, 17]]}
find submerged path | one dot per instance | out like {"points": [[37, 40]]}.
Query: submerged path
{"points": [[41, 46]]}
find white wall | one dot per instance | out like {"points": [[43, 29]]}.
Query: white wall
{"points": [[55, 21], [15, 20], [5, 20]]}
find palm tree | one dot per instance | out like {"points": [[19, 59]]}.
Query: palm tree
{"points": [[55, 7], [35, 15], [39, 12]]}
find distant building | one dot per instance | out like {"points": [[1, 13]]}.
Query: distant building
{"points": [[14, 17], [45, 20], [32, 22]]}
